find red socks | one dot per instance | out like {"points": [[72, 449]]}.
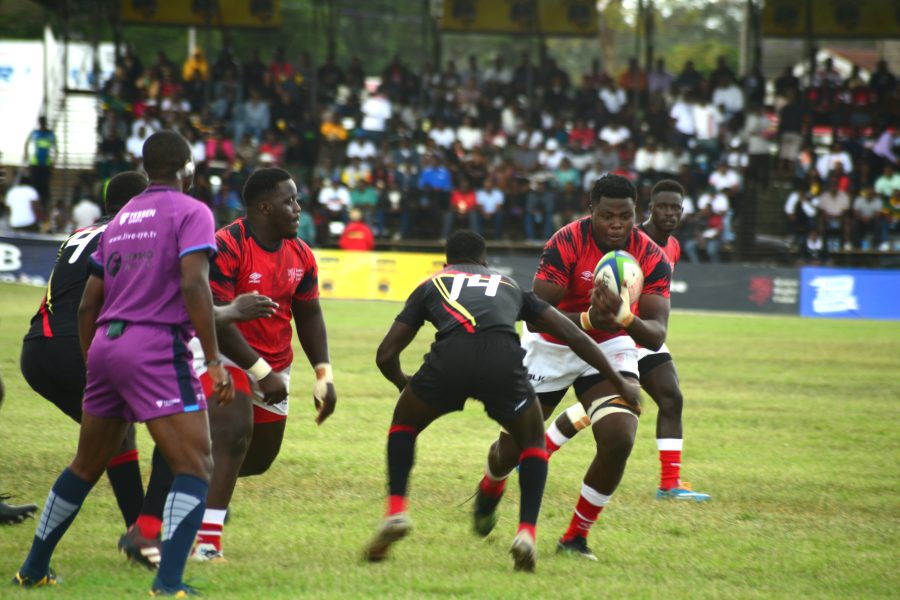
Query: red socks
{"points": [[492, 487], [149, 526], [590, 505], [669, 462]]}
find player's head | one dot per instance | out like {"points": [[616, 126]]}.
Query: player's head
{"points": [[270, 194], [466, 247], [167, 157], [122, 188], [612, 210], [666, 205]]}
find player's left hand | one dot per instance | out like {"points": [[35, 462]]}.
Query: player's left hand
{"points": [[254, 305], [325, 404]]}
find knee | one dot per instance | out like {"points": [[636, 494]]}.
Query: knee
{"points": [[670, 404], [256, 467], [617, 447], [233, 439]]}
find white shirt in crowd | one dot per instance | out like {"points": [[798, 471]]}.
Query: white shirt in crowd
{"points": [[443, 137], [532, 139], [724, 181], [614, 99], [868, 207], [361, 148], [614, 134], [827, 161], [707, 119], [683, 114], [489, 200], [730, 98], [84, 213], [376, 112], [469, 137], [808, 205], [19, 199], [334, 198], [551, 157], [717, 202]]}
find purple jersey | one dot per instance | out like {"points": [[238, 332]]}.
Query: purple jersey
{"points": [[139, 257]]}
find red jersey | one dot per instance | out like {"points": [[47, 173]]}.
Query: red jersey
{"points": [[672, 249], [572, 253], [284, 274]]}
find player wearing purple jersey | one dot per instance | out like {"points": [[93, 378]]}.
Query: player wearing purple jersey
{"points": [[147, 294]]}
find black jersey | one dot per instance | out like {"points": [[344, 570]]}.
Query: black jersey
{"points": [[58, 314], [469, 298]]}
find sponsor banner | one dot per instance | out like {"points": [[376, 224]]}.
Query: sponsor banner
{"points": [[850, 293], [28, 258], [373, 275], [832, 18], [554, 17], [736, 288], [225, 13], [21, 95]]}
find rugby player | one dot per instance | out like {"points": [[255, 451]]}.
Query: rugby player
{"points": [[565, 279], [261, 252], [476, 354], [656, 368], [148, 293], [51, 359]]}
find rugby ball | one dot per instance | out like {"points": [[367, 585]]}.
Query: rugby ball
{"points": [[619, 270]]}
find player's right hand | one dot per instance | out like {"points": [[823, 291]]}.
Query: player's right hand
{"points": [[601, 313], [254, 305], [631, 392], [273, 389], [223, 387]]}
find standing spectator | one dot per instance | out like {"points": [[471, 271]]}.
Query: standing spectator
{"points": [[194, 73], [883, 84], [801, 210], [689, 80], [787, 85], [757, 130], [40, 153], [376, 112], [682, 115], [659, 81], [24, 204], [834, 223], [357, 235], [707, 120], [254, 118], [489, 200], [729, 98], [791, 125], [335, 199]]}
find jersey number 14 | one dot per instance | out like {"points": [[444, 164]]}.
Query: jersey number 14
{"points": [[490, 284]]}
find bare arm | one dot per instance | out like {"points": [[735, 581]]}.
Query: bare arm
{"points": [[88, 311], [314, 341], [558, 325], [553, 294], [245, 307], [648, 330], [387, 357]]}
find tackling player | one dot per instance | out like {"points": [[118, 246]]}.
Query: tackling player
{"points": [[657, 370], [260, 252], [565, 279], [147, 293], [476, 354], [51, 359]]}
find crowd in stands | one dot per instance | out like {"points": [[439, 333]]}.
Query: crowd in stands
{"points": [[422, 151]]}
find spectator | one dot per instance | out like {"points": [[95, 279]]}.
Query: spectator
{"points": [[834, 222], [659, 81], [615, 133], [791, 125], [306, 230], [689, 80], [837, 154], [887, 182], [434, 186], [728, 97], [24, 204], [195, 73], [540, 205], [682, 114], [468, 134], [357, 235], [40, 153], [273, 147], [335, 199], [442, 134], [868, 220], [254, 118], [135, 144], [801, 210], [489, 201], [376, 113], [364, 199], [713, 207], [84, 213], [707, 122], [552, 156], [461, 210]]}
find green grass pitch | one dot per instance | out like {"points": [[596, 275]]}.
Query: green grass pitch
{"points": [[790, 424]]}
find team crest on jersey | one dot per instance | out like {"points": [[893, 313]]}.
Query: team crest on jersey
{"points": [[294, 274], [255, 277]]}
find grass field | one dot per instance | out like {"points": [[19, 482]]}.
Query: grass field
{"points": [[790, 424]]}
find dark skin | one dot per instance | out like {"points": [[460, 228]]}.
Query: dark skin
{"points": [[612, 221], [183, 438], [248, 448]]}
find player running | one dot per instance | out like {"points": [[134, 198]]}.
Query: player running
{"points": [[476, 354], [147, 294], [260, 252], [657, 370], [565, 279]]}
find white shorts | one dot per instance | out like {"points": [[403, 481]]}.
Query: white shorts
{"points": [[256, 394], [552, 367], [645, 352]]}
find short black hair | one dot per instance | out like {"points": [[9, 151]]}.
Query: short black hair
{"points": [[164, 153], [666, 185], [122, 188], [261, 181], [465, 246], [613, 186]]}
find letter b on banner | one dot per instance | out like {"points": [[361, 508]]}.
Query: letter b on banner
{"points": [[10, 258]]}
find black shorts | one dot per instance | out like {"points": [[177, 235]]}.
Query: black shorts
{"points": [[485, 366], [552, 399], [53, 367], [651, 361]]}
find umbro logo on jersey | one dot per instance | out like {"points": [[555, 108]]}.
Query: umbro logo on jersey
{"points": [[255, 277], [587, 275]]}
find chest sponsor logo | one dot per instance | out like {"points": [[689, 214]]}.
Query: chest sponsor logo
{"points": [[255, 277], [295, 274]]}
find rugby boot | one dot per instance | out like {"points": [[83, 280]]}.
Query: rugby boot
{"points": [[391, 529], [577, 546], [484, 513], [27, 582], [11, 514], [139, 549], [682, 492], [524, 552]]}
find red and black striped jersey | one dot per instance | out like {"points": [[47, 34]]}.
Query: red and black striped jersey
{"points": [[58, 314], [470, 299], [672, 249], [569, 260], [284, 274]]}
